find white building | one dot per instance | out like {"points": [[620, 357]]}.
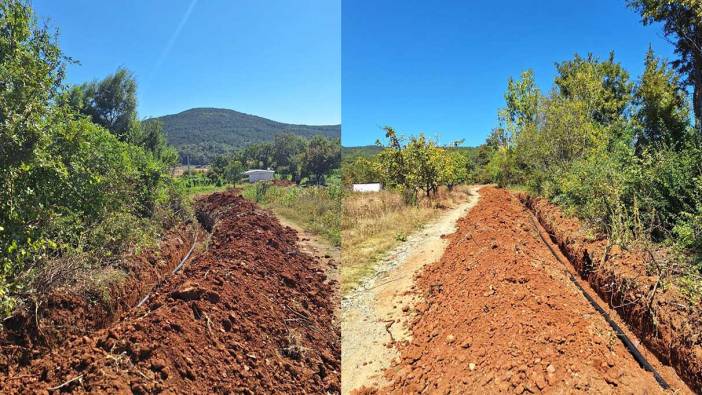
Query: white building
{"points": [[374, 187], [259, 175]]}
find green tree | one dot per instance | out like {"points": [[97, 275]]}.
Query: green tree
{"points": [[604, 87], [112, 103], [662, 109], [31, 73], [522, 105], [453, 167], [258, 156], [423, 158], [321, 156], [393, 164], [682, 24], [360, 170], [287, 149]]}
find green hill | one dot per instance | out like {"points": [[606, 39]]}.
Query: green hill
{"points": [[204, 133], [349, 154]]}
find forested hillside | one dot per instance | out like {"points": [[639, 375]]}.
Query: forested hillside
{"points": [[202, 134]]}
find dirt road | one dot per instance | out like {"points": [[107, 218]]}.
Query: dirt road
{"points": [[252, 313], [372, 315], [498, 314]]}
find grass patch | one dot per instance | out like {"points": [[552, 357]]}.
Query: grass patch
{"points": [[198, 190], [373, 223], [316, 209]]}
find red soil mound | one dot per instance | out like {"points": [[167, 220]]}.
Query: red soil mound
{"points": [[501, 316], [251, 314], [67, 313], [662, 319]]}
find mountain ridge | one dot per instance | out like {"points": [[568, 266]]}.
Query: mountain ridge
{"points": [[202, 133]]}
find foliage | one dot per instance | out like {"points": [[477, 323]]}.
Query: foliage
{"points": [[411, 164], [110, 102], [315, 208], [682, 24], [321, 155], [72, 191], [620, 155], [663, 111], [290, 156]]}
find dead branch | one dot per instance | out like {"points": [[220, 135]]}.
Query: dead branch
{"points": [[66, 383]]}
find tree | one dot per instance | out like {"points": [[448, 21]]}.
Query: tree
{"points": [[604, 87], [423, 157], [682, 24], [258, 155], [112, 103], [360, 170], [392, 161], [31, 72], [321, 155], [522, 105], [287, 148], [453, 167], [662, 109]]}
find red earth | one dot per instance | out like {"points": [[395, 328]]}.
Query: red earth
{"points": [[250, 313], [500, 315]]}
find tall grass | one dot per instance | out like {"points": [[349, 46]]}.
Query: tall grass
{"points": [[317, 209], [373, 223]]}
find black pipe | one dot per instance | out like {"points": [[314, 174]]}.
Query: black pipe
{"points": [[618, 330], [182, 262]]}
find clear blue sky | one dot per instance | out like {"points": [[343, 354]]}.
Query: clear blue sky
{"points": [[280, 59], [442, 67]]}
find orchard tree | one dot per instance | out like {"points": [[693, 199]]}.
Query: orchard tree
{"points": [[453, 167], [360, 170], [424, 159], [682, 25], [393, 164]]}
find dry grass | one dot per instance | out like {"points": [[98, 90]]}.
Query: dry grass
{"points": [[373, 223]]}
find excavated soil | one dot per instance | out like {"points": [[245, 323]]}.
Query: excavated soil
{"points": [[657, 312], [250, 314], [67, 312], [500, 315]]}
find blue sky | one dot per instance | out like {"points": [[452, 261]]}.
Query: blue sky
{"points": [[280, 59], [442, 67]]}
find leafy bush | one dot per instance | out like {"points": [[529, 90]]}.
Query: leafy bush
{"points": [[622, 156], [74, 196]]}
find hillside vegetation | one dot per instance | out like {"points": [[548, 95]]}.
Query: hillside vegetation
{"points": [[202, 134], [623, 155]]}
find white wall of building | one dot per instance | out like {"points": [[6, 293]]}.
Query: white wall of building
{"points": [[375, 187]]}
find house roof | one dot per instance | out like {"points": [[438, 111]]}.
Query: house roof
{"points": [[258, 170]]}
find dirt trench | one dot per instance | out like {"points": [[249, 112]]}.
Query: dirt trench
{"points": [[250, 314], [71, 311], [373, 319], [657, 312], [498, 314]]}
